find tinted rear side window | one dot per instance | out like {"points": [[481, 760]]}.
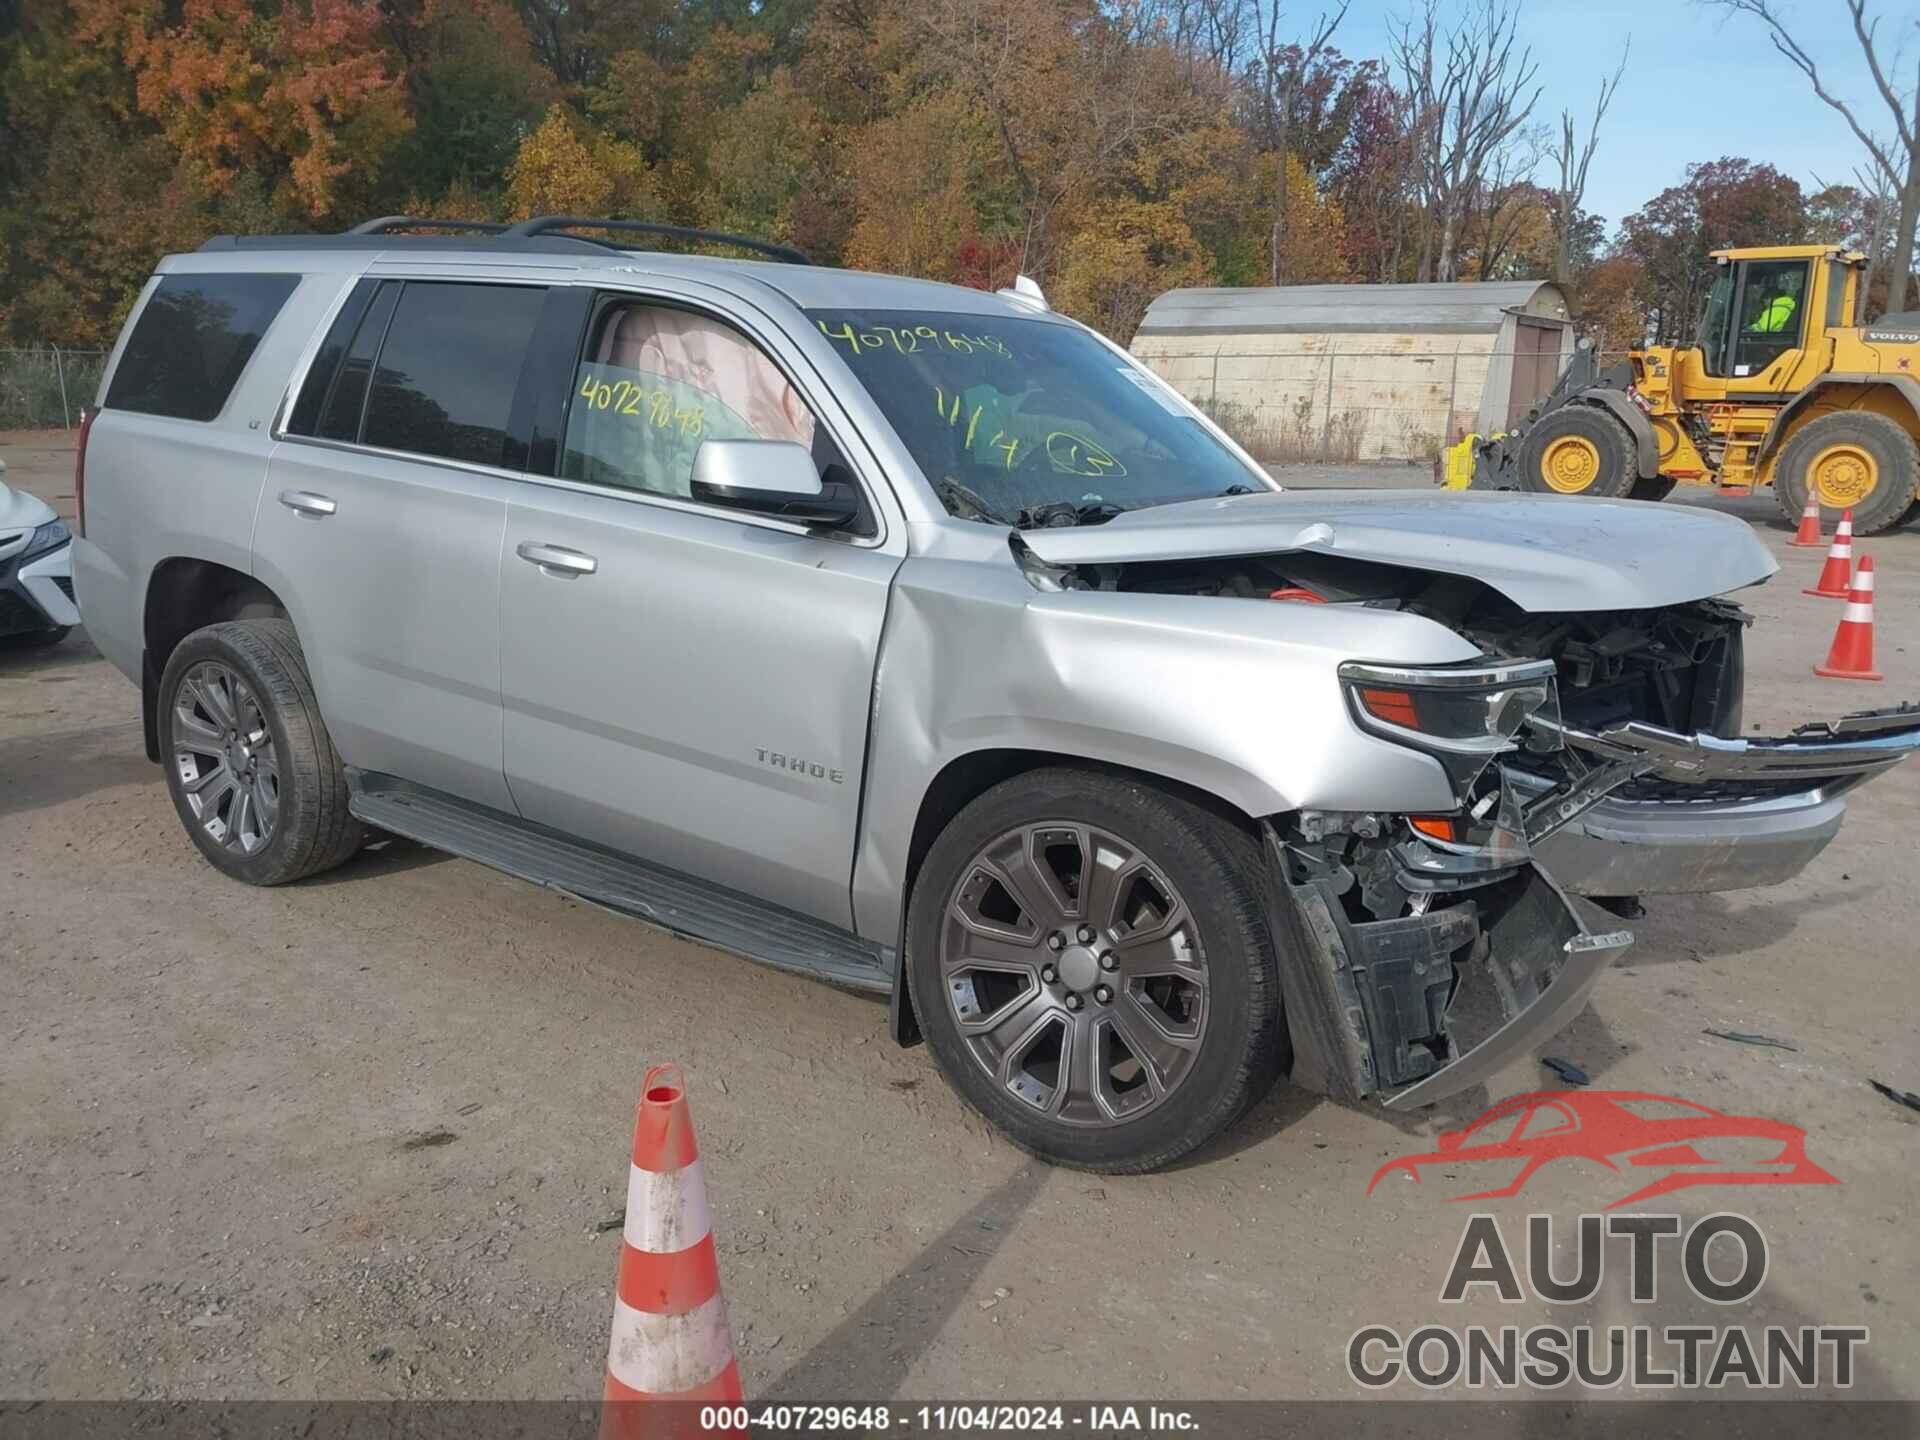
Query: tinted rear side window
{"points": [[446, 378], [192, 340], [326, 363]]}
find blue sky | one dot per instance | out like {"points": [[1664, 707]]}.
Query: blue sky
{"points": [[1700, 84]]}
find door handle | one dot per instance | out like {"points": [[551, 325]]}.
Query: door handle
{"points": [[305, 502], [556, 560]]}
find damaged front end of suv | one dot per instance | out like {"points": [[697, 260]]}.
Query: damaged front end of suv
{"points": [[1590, 752]]}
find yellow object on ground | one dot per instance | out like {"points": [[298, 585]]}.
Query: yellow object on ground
{"points": [[1458, 474]]}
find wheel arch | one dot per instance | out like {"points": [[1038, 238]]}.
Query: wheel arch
{"points": [[1895, 396], [1646, 446], [185, 593], [963, 779]]}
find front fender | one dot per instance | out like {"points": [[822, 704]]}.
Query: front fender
{"points": [[1237, 698], [1645, 443]]}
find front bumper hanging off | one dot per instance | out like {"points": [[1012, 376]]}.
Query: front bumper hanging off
{"points": [[1495, 958], [1699, 813], [1378, 1004]]}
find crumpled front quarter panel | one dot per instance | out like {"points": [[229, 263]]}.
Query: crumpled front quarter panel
{"points": [[1239, 698]]}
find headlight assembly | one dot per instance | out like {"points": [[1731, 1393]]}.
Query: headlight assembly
{"points": [[50, 536], [1463, 715]]}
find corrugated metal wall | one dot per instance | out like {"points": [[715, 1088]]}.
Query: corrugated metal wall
{"points": [[1335, 397]]}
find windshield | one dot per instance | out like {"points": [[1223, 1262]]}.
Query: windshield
{"points": [[1029, 422]]}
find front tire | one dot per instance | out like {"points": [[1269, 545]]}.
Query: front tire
{"points": [[252, 771], [1579, 450], [1092, 968], [1853, 460]]}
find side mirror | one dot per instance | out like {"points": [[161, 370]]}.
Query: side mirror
{"points": [[771, 477]]}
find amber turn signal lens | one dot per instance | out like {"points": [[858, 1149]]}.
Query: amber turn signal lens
{"points": [[1393, 706], [1440, 827]]}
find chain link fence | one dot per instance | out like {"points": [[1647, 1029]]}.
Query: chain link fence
{"points": [[44, 389]]}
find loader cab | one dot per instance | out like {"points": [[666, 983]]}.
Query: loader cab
{"points": [[1768, 312]]}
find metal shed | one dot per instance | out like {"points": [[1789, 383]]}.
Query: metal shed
{"points": [[1360, 372]]}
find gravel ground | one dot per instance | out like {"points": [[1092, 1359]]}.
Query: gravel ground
{"points": [[364, 1136]]}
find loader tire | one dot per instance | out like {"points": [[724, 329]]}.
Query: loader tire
{"points": [[1579, 450], [1854, 460], [1658, 488]]}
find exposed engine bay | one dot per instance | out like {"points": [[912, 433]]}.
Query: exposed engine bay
{"points": [[1419, 953]]}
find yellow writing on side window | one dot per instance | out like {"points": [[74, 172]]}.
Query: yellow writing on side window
{"points": [[649, 407], [911, 339]]}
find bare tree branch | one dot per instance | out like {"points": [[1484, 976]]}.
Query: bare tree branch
{"points": [[1899, 161], [1574, 162]]}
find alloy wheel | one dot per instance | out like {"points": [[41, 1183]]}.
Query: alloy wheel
{"points": [[1074, 972], [223, 754]]}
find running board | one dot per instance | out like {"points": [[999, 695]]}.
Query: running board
{"points": [[679, 904]]}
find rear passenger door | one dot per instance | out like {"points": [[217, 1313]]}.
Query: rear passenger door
{"points": [[382, 520], [683, 682]]}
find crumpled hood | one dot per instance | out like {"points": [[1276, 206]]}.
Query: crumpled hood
{"points": [[1541, 552], [21, 511]]}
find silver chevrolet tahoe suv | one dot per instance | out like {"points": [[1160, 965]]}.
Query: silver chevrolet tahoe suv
{"points": [[917, 639]]}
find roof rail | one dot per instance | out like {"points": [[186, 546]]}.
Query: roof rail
{"points": [[546, 224], [387, 224]]}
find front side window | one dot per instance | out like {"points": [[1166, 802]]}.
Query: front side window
{"points": [[192, 340], [1030, 422], [655, 382], [446, 377], [1712, 338], [1772, 313]]}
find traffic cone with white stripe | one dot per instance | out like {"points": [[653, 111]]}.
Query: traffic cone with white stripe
{"points": [[1837, 573], [1851, 657], [1809, 532], [671, 1342]]}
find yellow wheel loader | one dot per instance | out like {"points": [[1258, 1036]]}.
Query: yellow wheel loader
{"points": [[1777, 389]]}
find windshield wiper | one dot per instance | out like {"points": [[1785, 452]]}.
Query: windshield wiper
{"points": [[966, 504], [1236, 490], [1057, 513]]}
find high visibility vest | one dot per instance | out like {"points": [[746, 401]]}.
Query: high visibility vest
{"points": [[1776, 315]]}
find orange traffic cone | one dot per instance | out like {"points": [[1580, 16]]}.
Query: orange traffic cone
{"points": [[1837, 573], [672, 1351], [1809, 531], [1851, 657]]}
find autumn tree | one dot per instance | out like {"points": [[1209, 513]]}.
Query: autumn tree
{"points": [[564, 169], [1721, 204], [304, 95], [1283, 76]]}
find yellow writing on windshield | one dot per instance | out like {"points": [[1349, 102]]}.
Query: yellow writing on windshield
{"points": [[1076, 455], [911, 339], [1067, 453]]}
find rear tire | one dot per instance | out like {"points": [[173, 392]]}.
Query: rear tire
{"points": [[1864, 462], [1579, 450], [252, 771], [1658, 488], [1181, 947]]}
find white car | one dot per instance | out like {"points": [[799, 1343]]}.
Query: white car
{"points": [[36, 570]]}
